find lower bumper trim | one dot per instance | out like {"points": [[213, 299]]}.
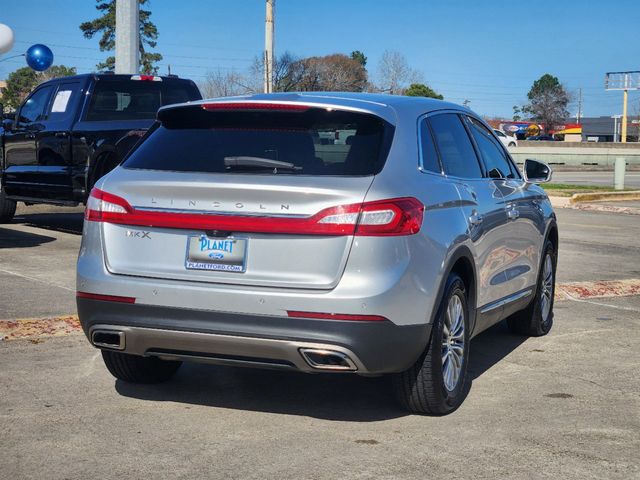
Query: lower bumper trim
{"points": [[258, 340], [223, 349]]}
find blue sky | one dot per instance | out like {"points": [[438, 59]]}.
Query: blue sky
{"points": [[487, 51]]}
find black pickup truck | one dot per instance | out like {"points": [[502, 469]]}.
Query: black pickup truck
{"points": [[71, 131]]}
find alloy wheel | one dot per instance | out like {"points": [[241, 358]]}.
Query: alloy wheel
{"points": [[546, 295], [453, 343]]}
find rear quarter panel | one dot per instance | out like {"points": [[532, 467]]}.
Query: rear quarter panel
{"points": [[423, 258]]}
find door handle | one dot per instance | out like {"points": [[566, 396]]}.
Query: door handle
{"points": [[30, 136], [475, 218], [513, 214], [61, 134], [470, 190]]}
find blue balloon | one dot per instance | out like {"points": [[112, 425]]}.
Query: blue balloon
{"points": [[39, 57]]}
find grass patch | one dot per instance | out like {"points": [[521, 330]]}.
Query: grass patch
{"points": [[568, 189]]}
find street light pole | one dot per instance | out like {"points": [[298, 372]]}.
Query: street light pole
{"points": [[268, 46], [624, 116], [127, 36]]}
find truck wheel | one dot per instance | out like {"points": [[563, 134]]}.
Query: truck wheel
{"points": [[537, 319], [137, 369], [7, 208], [104, 165], [436, 383]]}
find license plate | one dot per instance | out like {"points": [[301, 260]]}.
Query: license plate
{"points": [[220, 254]]}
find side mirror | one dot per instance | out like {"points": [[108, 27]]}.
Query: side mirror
{"points": [[537, 172], [7, 124]]}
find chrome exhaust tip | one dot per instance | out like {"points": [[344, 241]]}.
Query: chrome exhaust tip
{"points": [[111, 339], [321, 359]]}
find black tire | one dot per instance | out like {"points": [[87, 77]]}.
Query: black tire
{"points": [[137, 369], [7, 208], [531, 321], [512, 144], [421, 389], [104, 165]]}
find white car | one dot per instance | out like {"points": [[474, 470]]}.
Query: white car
{"points": [[507, 140]]}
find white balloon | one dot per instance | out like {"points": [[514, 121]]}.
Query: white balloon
{"points": [[6, 38]]}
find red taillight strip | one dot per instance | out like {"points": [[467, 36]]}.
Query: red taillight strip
{"points": [[336, 316], [284, 107], [407, 218], [105, 298]]}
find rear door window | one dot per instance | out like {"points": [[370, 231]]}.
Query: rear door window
{"points": [[315, 141], [135, 99], [456, 151]]}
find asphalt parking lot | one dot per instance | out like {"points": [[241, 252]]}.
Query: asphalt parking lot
{"points": [[562, 406]]}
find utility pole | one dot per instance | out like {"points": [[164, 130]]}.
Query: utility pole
{"points": [[624, 115], [579, 114], [268, 46], [127, 36]]}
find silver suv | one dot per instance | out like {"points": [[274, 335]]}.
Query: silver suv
{"points": [[236, 234]]}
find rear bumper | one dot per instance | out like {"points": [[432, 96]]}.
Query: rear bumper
{"points": [[254, 340]]}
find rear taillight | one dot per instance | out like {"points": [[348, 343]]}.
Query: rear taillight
{"points": [[105, 207], [396, 216], [146, 78]]}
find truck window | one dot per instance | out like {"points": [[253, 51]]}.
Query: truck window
{"points": [[63, 101], [134, 99], [33, 109]]}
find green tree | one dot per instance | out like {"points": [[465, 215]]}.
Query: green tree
{"points": [[516, 113], [330, 73], [106, 25], [548, 101], [359, 57], [422, 90], [23, 80]]}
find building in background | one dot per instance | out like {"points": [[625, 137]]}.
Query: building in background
{"points": [[607, 129], [569, 132]]}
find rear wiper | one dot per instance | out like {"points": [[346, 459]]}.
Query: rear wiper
{"points": [[258, 163]]}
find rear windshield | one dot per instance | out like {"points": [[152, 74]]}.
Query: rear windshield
{"points": [[317, 141], [135, 99]]}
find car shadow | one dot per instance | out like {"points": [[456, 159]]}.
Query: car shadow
{"points": [[333, 397], [326, 396], [16, 239], [59, 222], [490, 347]]}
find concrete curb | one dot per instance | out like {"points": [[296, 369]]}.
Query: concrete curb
{"points": [[602, 196], [566, 202]]}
